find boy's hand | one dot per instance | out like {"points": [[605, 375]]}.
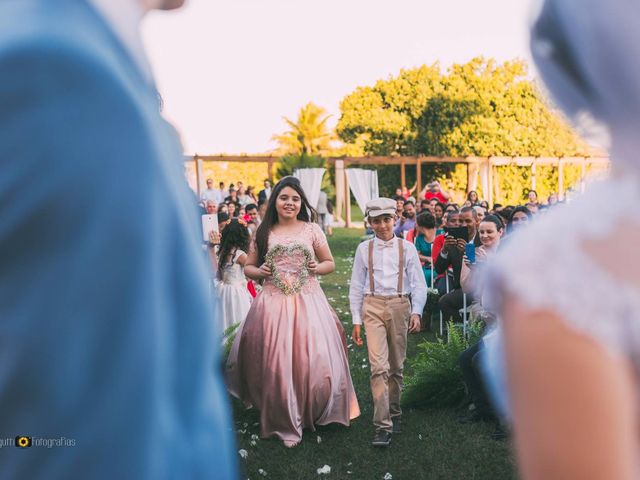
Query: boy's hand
{"points": [[414, 323], [355, 335]]}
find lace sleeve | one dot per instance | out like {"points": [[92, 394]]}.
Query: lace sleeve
{"points": [[545, 267], [319, 239]]}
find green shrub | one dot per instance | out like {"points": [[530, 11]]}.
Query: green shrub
{"points": [[436, 379]]}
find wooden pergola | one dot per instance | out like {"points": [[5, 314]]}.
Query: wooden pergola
{"points": [[475, 165]]}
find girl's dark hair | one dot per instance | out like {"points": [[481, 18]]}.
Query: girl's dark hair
{"points": [[496, 220], [469, 197], [307, 214], [484, 204], [235, 236], [522, 209], [426, 220]]}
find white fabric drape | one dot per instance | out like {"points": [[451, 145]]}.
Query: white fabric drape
{"points": [[364, 185], [311, 181]]}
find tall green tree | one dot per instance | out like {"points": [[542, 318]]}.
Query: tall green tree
{"points": [[481, 108], [308, 134]]}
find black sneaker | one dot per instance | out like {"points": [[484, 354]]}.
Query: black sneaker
{"points": [[474, 416], [381, 439], [397, 425], [500, 433]]}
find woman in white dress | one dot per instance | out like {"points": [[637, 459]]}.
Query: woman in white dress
{"points": [[568, 286], [235, 299]]}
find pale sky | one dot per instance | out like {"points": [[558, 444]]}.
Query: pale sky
{"points": [[229, 70]]}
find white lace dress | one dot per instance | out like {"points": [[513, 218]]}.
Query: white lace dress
{"points": [[546, 266], [235, 299]]}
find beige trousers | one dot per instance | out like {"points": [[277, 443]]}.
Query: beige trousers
{"points": [[386, 321]]}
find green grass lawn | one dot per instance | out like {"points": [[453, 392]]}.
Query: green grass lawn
{"points": [[432, 446]]}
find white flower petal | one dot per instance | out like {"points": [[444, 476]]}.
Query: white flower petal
{"points": [[387, 476], [319, 439], [324, 470], [243, 453]]}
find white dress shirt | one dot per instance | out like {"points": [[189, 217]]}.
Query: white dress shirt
{"points": [[124, 17], [385, 275]]}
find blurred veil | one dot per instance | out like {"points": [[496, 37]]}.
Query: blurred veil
{"points": [[588, 52]]}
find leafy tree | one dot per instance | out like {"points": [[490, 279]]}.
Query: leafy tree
{"points": [[308, 135], [480, 108]]}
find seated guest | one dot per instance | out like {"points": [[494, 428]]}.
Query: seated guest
{"points": [[490, 231], [452, 207], [450, 256], [407, 219], [452, 220], [438, 214], [481, 212], [520, 216], [211, 207], [424, 205], [426, 234]]}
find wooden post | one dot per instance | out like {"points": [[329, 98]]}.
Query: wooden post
{"points": [[418, 180], [339, 175], [347, 201], [270, 170], [533, 175], [403, 177], [199, 174], [560, 179], [490, 173]]}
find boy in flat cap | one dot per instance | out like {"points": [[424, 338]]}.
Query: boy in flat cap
{"points": [[387, 293]]}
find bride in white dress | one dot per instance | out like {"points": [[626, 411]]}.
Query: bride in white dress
{"points": [[572, 333]]}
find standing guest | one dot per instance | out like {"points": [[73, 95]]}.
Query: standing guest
{"points": [[235, 299], [435, 190], [407, 220], [233, 197], [484, 204], [432, 206], [424, 205], [532, 197], [552, 199], [472, 198], [388, 293], [289, 360], [322, 210], [265, 193], [243, 198], [209, 193], [251, 193], [222, 193], [95, 346]]}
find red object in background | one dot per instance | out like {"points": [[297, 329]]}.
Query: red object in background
{"points": [[252, 288], [437, 195], [246, 217]]}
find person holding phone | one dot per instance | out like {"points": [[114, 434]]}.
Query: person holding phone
{"points": [[407, 221], [450, 257]]}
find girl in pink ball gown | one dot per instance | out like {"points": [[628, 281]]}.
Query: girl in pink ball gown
{"points": [[289, 357]]}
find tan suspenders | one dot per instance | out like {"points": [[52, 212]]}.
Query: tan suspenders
{"points": [[400, 267]]}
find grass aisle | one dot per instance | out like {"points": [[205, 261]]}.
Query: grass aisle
{"points": [[432, 446]]}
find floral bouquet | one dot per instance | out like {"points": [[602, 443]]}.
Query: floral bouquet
{"points": [[289, 281]]}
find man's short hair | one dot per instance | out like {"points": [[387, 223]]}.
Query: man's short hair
{"points": [[249, 207], [469, 209], [408, 202]]}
